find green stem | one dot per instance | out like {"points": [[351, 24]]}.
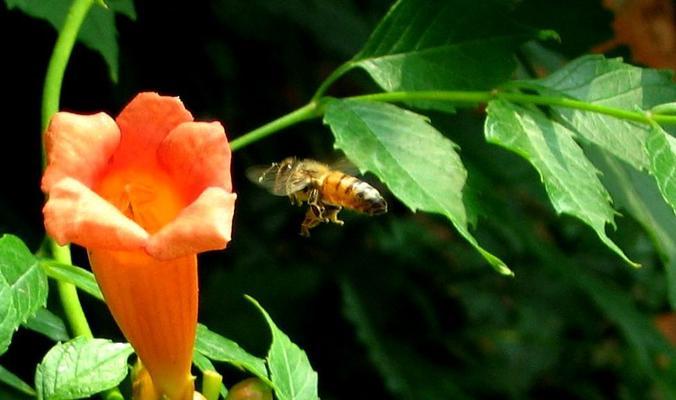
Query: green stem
{"points": [[315, 107], [59, 59], [308, 111], [69, 298], [337, 73], [211, 384], [471, 97]]}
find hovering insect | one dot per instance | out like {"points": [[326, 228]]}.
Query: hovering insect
{"points": [[324, 188]]}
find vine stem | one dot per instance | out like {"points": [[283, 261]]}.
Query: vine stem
{"points": [[337, 73], [311, 110], [316, 107], [50, 105], [51, 97]]}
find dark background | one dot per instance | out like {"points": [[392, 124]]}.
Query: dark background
{"points": [[396, 306]]}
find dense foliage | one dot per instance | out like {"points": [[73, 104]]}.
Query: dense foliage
{"points": [[579, 192]]}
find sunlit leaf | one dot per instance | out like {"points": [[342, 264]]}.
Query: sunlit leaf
{"points": [[98, 31], [81, 368], [418, 164], [443, 45], [290, 369], [23, 286], [48, 324], [8, 319], [612, 83], [570, 179], [661, 149], [219, 348], [14, 381]]}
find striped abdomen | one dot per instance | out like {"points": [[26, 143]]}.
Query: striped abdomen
{"points": [[347, 191]]}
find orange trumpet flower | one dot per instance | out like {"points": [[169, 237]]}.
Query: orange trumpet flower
{"points": [[144, 194]]}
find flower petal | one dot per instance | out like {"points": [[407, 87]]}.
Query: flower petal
{"points": [[145, 122], [75, 214], [78, 146], [197, 155], [203, 225], [155, 305]]}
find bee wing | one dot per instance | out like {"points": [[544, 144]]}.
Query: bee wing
{"points": [[343, 164], [268, 177]]}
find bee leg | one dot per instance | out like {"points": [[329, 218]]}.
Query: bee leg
{"points": [[311, 220], [331, 214], [295, 200]]}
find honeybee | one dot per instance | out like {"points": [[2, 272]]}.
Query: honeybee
{"points": [[325, 189]]}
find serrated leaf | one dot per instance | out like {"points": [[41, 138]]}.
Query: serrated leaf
{"points": [[418, 164], [661, 148], [204, 365], [14, 381], [570, 179], [610, 82], [637, 194], [442, 45], [26, 282], [219, 348], [72, 274], [81, 368], [8, 315], [292, 375], [48, 324], [98, 30]]}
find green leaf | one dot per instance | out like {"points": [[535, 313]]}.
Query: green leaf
{"points": [[8, 315], [418, 164], [48, 324], [637, 194], [204, 364], [23, 287], [612, 83], [661, 148], [219, 348], [98, 30], [14, 381], [570, 179], [442, 45], [292, 375], [77, 276], [81, 368]]}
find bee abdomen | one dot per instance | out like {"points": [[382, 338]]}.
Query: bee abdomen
{"points": [[349, 192]]}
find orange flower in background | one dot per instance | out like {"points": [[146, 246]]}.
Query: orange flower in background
{"points": [[144, 194]]}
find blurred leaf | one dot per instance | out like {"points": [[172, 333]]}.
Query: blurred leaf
{"points": [[23, 286], [80, 368], [290, 369], [419, 165], [218, 348], [612, 83], [406, 374], [640, 332], [442, 45], [98, 30], [50, 325], [638, 194], [570, 179], [14, 381], [661, 149], [77, 276], [204, 364]]}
